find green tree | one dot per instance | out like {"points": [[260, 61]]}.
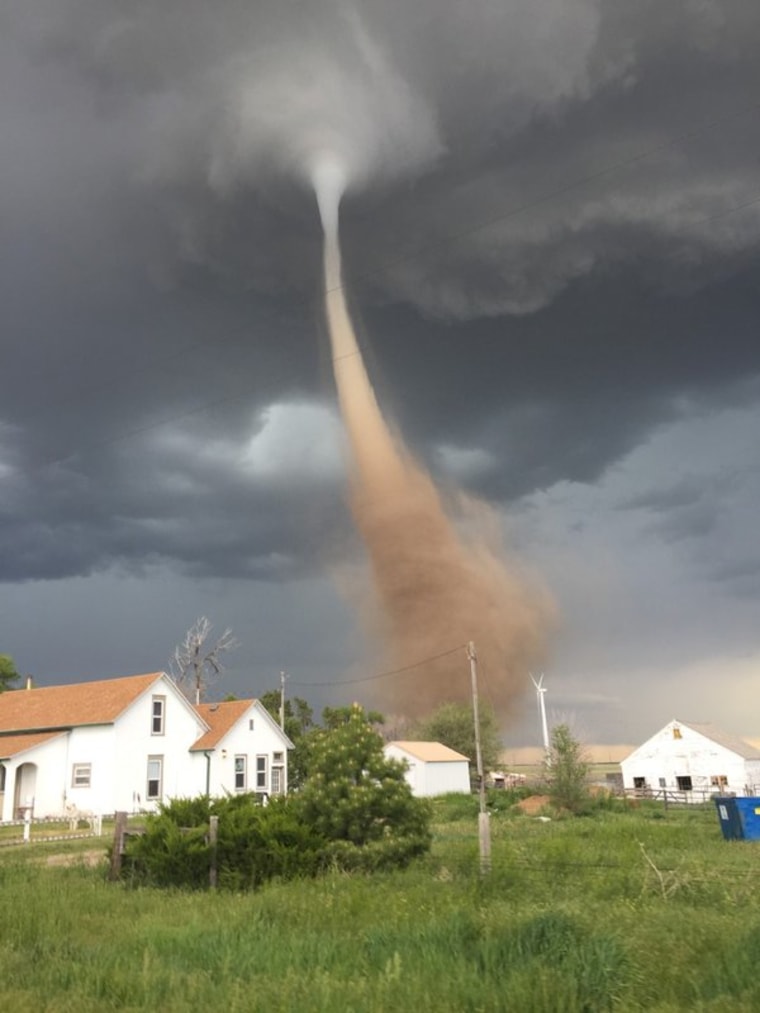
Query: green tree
{"points": [[454, 726], [360, 800], [299, 724], [299, 715], [566, 771], [8, 673], [334, 717]]}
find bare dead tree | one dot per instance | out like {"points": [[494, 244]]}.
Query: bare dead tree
{"points": [[195, 662]]}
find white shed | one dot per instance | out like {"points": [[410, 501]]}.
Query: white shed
{"points": [[431, 767], [699, 759]]}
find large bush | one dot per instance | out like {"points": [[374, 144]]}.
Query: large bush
{"points": [[356, 811], [254, 844], [359, 800]]}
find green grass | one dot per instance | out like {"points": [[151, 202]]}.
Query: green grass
{"points": [[625, 910]]}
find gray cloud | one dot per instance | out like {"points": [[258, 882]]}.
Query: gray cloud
{"points": [[550, 249]]}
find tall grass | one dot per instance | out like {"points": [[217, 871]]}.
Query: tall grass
{"points": [[622, 910]]}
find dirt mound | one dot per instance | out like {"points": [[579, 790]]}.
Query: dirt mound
{"points": [[533, 805]]}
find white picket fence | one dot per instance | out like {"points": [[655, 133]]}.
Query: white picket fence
{"points": [[32, 827]]}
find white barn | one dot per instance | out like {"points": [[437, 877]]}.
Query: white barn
{"points": [[431, 767], [694, 758], [128, 744]]}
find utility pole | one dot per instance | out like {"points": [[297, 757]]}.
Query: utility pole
{"points": [[484, 827], [283, 677]]}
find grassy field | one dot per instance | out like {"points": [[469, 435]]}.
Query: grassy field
{"points": [[625, 910]]}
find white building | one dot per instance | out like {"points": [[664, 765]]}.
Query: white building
{"points": [[431, 767], [127, 744], [696, 758]]}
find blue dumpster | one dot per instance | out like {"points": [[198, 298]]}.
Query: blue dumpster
{"points": [[739, 817]]}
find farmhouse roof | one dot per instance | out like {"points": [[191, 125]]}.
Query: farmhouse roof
{"points": [[82, 703], [430, 752], [12, 745], [220, 717], [725, 739]]}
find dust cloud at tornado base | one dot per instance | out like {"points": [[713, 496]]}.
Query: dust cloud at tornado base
{"points": [[433, 589]]}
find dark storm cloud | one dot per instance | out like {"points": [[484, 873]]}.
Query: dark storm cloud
{"points": [[551, 224]]}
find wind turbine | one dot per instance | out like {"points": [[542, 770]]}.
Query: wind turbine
{"points": [[540, 693]]}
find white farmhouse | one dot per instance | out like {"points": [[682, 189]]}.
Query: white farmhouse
{"points": [[127, 744], [431, 767], [695, 758]]}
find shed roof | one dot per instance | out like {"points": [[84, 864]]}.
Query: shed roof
{"points": [[12, 745], [430, 752], [81, 703]]}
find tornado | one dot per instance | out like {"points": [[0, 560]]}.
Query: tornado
{"points": [[433, 589]]}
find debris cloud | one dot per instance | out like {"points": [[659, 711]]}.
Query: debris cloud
{"points": [[434, 588]]}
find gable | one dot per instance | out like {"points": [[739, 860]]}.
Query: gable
{"points": [[223, 717], [682, 736], [59, 707]]}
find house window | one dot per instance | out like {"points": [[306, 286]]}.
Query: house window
{"points": [[240, 773], [661, 782], [719, 780], [2, 777], [157, 715], [277, 758], [261, 773], [155, 776], [639, 782], [250, 724], [81, 774], [277, 780], [684, 783], [676, 733]]}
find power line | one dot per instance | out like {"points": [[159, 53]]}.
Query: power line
{"points": [[383, 675]]}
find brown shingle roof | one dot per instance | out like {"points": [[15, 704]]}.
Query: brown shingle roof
{"points": [[430, 752], [220, 717], [11, 745], [83, 703]]}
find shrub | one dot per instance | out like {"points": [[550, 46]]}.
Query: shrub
{"points": [[358, 798]]}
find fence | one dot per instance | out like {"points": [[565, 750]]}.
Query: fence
{"points": [[50, 828], [673, 796], [122, 831]]}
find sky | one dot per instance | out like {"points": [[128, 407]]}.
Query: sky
{"points": [[551, 241]]}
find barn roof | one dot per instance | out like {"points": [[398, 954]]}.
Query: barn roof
{"points": [[81, 703], [430, 752], [725, 739]]}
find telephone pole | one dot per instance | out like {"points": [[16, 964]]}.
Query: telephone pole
{"points": [[283, 677], [484, 827]]}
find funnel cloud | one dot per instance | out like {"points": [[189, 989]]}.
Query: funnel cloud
{"points": [[435, 590]]}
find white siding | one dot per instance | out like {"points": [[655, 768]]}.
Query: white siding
{"points": [[133, 742], [265, 739]]}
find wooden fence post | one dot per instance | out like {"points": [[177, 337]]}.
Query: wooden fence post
{"points": [[120, 825], [213, 834]]}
